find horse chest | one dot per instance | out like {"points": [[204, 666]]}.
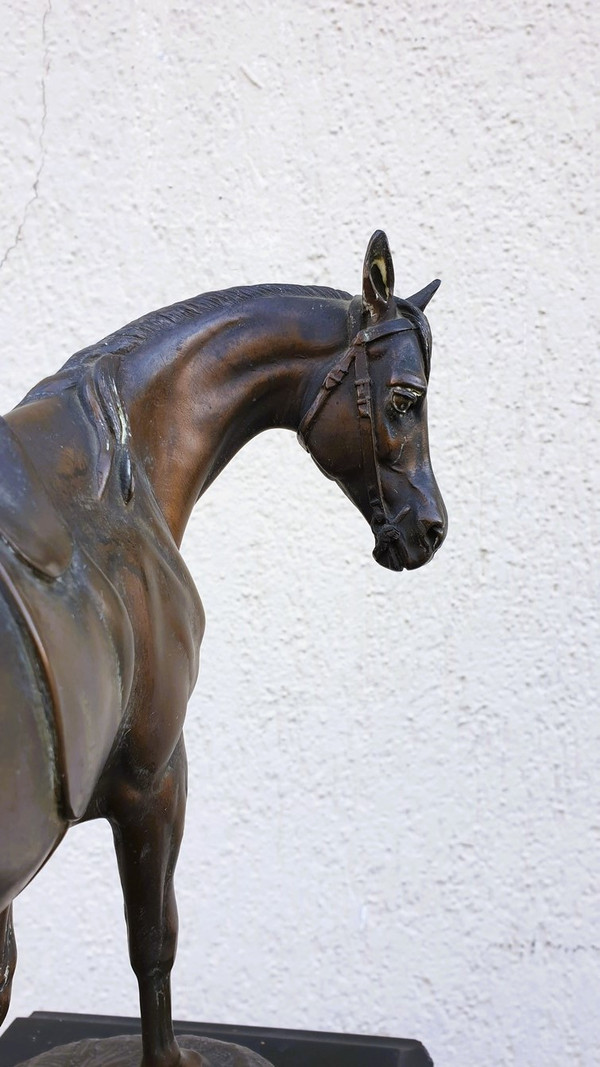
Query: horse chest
{"points": [[167, 615], [167, 623]]}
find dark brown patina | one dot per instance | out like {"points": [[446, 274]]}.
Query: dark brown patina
{"points": [[100, 623]]}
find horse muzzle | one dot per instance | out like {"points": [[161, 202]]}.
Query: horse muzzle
{"points": [[402, 545]]}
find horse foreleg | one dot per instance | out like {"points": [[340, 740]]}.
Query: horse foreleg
{"points": [[147, 826], [8, 959]]}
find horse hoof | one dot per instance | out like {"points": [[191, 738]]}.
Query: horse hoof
{"points": [[192, 1059]]}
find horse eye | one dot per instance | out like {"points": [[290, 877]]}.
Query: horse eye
{"points": [[401, 402]]}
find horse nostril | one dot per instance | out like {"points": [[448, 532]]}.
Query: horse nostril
{"points": [[434, 535]]}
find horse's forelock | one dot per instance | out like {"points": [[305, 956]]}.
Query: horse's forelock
{"points": [[419, 320]]}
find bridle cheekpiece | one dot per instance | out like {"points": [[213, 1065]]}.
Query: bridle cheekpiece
{"points": [[358, 353]]}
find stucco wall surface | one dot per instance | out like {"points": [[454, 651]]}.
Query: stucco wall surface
{"points": [[394, 822]]}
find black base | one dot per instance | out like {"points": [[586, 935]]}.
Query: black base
{"points": [[126, 1051], [44, 1030]]}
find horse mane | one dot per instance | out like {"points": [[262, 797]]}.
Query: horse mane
{"points": [[140, 331], [93, 370]]}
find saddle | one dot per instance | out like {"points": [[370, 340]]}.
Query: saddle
{"points": [[28, 519], [77, 622]]}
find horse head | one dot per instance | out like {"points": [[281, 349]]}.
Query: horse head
{"points": [[367, 430]]}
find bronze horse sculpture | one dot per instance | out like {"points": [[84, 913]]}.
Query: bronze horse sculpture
{"points": [[100, 623]]}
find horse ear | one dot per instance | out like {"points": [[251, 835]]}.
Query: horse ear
{"points": [[378, 275], [422, 298]]}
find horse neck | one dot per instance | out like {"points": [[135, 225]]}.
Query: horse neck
{"points": [[195, 397]]}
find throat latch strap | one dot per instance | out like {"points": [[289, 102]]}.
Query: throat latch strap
{"points": [[334, 377]]}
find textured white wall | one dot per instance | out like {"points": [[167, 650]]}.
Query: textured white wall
{"points": [[394, 821]]}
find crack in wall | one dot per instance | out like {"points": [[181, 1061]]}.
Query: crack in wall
{"points": [[36, 181]]}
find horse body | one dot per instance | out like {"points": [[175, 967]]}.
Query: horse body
{"points": [[117, 632], [101, 625]]}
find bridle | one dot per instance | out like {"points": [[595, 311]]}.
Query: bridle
{"points": [[358, 353]]}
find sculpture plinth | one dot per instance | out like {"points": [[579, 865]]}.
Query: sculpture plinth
{"points": [[281, 1048]]}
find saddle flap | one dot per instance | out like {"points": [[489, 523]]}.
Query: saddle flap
{"points": [[28, 519]]}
